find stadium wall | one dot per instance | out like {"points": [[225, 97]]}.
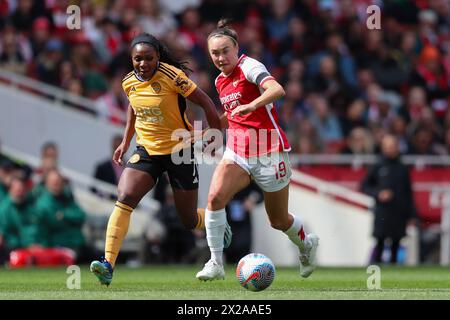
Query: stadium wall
{"points": [[27, 121]]}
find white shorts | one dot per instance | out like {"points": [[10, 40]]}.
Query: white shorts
{"points": [[271, 172]]}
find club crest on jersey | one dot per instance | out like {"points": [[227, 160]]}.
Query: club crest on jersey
{"points": [[235, 82], [156, 87]]}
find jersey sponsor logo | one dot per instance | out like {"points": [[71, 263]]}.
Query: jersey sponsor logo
{"points": [[156, 87], [149, 114], [134, 158], [231, 105], [231, 101], [183, 83], [231, 97]]}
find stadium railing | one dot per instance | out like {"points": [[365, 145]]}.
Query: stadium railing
{"points": [[356, 161]]}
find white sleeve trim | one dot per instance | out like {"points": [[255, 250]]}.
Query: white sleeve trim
{"points": [[252, 69]]}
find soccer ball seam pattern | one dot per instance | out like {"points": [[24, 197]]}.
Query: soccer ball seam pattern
{"points": [[255, 272]]}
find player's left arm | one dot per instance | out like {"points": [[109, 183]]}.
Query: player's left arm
{"points": [[272, 91], [200, 98]]}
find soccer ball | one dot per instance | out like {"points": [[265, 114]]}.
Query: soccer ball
{"points": [[255, 272]]}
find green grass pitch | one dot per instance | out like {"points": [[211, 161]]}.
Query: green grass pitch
{"points": [[179, 283]]}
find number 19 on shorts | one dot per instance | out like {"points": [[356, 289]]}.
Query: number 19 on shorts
{"points": [[280, 170]]}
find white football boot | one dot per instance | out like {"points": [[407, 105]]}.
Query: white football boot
{"points": [[211, 271], [308, 258]]}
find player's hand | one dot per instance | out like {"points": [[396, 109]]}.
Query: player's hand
{"points": [[118, 154], [244, 109]]}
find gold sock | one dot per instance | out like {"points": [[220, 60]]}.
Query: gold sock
{"points": [[117, 229], [201, 219]]}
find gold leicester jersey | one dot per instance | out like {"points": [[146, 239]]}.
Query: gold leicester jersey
{"points": [[159, 105]]}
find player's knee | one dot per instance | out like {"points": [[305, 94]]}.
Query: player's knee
{"points": [[128, 198], [216, 201]]}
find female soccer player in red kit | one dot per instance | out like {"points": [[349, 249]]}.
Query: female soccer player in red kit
{"points": [[256, 148]]}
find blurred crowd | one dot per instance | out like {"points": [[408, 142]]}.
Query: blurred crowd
{"points": [[346, 85], [37, 207]]}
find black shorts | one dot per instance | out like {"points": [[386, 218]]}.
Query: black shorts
{"points": [[181, 176]]}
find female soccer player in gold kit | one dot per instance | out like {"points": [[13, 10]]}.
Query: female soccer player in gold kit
{"points": [[157, 89]]}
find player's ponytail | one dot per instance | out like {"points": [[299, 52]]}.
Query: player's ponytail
{"points": [[224, 23], [164, 53], [224, 29]]}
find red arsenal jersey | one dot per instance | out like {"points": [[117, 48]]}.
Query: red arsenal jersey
{"points": [[258, 132]]}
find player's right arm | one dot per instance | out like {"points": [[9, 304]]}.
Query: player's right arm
{"points": [[127, 136]]}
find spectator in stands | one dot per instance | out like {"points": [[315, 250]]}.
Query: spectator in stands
{"points": [[49, 161], [20, 224], [294, 44], [109, 42], [12, 51], [433, 73], [427, 27], [40, 35], [389, 183], [108, 171], [325, 121], [407, 52], [153, 19], [334, 63], [359, 142], [309, 140], [355, 116], [238, 215], [112, 106], [25, 14], [382, 111], [422, 142], [61, 218], [387, 68], [48, 63], [288, 119], [327, 80], [50, 150], [295, 96], [428, 121], [190, 31], [295, 71], [66, 74], [416, 101], [277, 23], [365, 80], [398, 129]]}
